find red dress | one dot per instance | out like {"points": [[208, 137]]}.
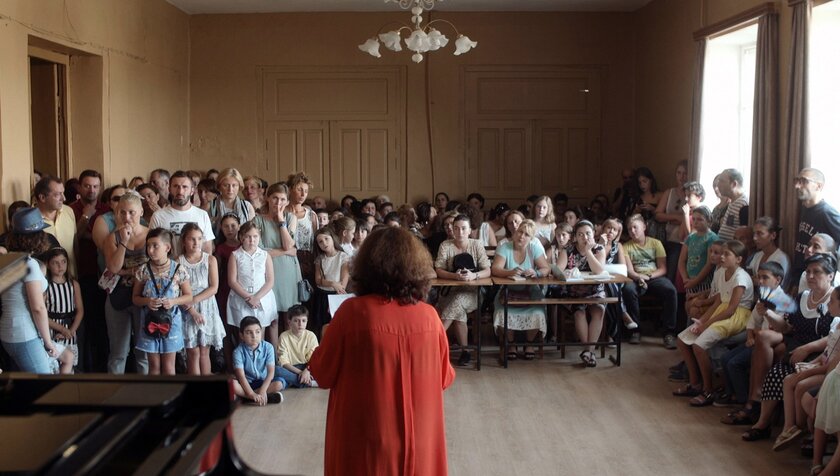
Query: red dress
{"points": [[386, 366]]}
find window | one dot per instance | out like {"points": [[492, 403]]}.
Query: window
{"points": [[727, 110], [824, 96]]}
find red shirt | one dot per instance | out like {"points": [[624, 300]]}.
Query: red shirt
{"points": [[386, 366]]}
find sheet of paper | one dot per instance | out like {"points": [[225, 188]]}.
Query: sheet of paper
{"points": [[336, 300]]}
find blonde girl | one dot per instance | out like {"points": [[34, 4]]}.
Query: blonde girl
{"points": [[345, 229], [543, 215], [203, 326]]}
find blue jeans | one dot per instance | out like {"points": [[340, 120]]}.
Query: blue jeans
{"points": [[30, 356], [736, 371], [257, 382], [292, 379]]}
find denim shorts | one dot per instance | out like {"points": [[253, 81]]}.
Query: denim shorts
{"points": [[257, 382], [30, 356]]}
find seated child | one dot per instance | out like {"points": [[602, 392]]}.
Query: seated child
{"points": [[295, 349], [698, 303], [736, 363], [727, 316], [253, 365]]}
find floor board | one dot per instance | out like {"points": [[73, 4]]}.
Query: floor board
{"points": [[546, 417]]}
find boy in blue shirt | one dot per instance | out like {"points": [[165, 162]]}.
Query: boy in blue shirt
{"points": [[253, 365]]}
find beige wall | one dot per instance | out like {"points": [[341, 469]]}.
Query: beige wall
{"points": [[143, 50], [664, 69], [226, 50]]}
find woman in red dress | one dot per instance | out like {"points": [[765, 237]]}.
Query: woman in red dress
{"points": [[385, 359]]}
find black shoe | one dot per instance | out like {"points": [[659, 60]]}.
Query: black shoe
{"points": [[274, 398], [465, 358]]}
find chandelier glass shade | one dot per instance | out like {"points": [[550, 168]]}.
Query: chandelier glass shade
{"points": [[421, 38]]}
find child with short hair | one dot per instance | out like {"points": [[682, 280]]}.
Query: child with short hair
{"points": [[295, 349], [64, 306], [323, 217], [162, 284], [256, 381], [726, 317], [203, 326], [697, 304]]}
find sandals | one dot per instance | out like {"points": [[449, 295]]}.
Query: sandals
{"points": [[530, 356], [703, 400], [738, 417], [816, 469], [755, 434], [588, 359], [687, 391], [512, 355], [786, 437]]}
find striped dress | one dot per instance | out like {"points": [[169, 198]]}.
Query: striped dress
{"points": [[61, 309]]}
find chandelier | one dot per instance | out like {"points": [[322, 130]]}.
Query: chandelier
{"points": [[421, 38]]}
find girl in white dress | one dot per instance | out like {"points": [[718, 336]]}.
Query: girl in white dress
{"points": [[251, 278], [203, 326], [543, 216]]}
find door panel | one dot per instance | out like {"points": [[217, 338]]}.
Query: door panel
{"points": [[499, 158], [292, 146], [364, 159]]}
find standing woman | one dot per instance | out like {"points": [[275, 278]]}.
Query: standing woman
{"points": [[125, 252], [255, 192], [385, 359], [307, 224], [648, 201], [24, 326], [229, 184], [278, 226], [471, 264], [669, 212]]}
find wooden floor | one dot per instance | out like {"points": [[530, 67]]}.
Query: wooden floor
{"points": [[548, 417]]}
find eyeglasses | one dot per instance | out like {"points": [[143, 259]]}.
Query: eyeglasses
{"points": [[802, 180]]}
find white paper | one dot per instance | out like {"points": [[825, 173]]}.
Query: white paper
{"points": [[336, 300]]}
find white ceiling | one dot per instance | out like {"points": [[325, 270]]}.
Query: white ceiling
{"points": [[269, 6]]}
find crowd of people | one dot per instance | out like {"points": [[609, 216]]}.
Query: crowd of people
{"points": [[206, 264]]}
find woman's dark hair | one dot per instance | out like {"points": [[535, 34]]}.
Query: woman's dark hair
{"points": [[15, 206], [738, 249], [645, 172], [394, 264], [424, 212], [770, 224], [345, 198], [444, 194], [365, 202], [581, 224], [576, 210], [33, 243], [392, 217], [52, 253], [826, 261], [208, 185], [146, 186], [476, 196], [500, 209], [453, 205]]}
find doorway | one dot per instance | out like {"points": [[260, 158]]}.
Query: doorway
{"points": [[48, 107]]}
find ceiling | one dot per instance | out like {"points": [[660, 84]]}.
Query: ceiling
{"points": [[269, 6]]}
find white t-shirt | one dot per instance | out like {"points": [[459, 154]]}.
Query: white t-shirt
{"points": [[778, 256], [739, 278], [173, 220]]}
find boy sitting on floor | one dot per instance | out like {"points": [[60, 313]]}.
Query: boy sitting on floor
{"points": [[295, 349], [253, 365]]}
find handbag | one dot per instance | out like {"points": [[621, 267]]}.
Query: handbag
{"points": [[121, 296], [304, 289], [159, 321]]}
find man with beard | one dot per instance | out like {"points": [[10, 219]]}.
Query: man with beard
{"points": [[181, 211], [92, 340], [815, 216], [49, 198]]}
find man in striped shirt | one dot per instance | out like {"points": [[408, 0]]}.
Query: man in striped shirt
{"points": [[737, 214]]}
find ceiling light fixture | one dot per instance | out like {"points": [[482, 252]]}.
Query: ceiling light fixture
{"points": [[421, 38]]}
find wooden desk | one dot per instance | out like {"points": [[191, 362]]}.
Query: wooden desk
{"points": [[477, 284], [546, 281]]}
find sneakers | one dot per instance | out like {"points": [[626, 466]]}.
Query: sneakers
{"points": [[635, 338], [669, 341], [678, 376], [724, 399], [465, 358], [274, 398]]}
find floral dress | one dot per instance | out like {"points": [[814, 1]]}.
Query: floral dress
{"points": [[578, 260], [153, 286], [212, 331]]}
